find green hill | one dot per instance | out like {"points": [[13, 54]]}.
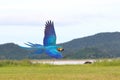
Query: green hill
{"points": [[14, 51], [102, 45]]}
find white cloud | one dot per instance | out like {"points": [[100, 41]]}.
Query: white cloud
{"points": [[78, 17], [27, 11]]}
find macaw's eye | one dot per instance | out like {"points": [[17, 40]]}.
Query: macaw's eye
{"points": [[60, 49]]}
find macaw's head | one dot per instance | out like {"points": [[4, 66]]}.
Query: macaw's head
{"points": [[60, 49]]}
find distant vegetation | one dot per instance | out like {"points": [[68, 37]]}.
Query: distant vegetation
{"points": [[23, 70], [102, 45], [15, 63], [107, 62], [101, 62]]}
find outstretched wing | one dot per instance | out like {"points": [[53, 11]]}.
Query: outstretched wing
{"points": [[50, 36]]}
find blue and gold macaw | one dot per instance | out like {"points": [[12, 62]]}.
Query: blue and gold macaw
{"points": [[49, 43]]}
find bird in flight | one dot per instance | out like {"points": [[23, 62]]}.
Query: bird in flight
{"points": [[49, 43]]}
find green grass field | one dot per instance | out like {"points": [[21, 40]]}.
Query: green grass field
{"points": [[26, 71]]}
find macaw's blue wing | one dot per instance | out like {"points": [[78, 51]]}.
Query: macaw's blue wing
{"points": [[50, 36], [54, 53]]}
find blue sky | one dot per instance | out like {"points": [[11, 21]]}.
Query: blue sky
{"points": [[23, 20]]}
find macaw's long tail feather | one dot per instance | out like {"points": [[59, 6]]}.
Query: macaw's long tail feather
{"points": [[33, 45], [26, 48], [34, 48]]}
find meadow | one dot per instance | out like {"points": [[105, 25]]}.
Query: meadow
{"points": [[24, 70]]}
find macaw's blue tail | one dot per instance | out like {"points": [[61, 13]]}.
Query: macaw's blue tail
{"points": [[33, 45], [34, 48]]}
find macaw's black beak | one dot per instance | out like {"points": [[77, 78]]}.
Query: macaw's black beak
{"points": [[60, 49]]}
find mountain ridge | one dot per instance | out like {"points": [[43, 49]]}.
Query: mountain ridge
{"points": [[101, 45]]}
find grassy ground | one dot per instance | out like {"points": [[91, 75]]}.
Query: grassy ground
{"points": [[25, 71]]}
